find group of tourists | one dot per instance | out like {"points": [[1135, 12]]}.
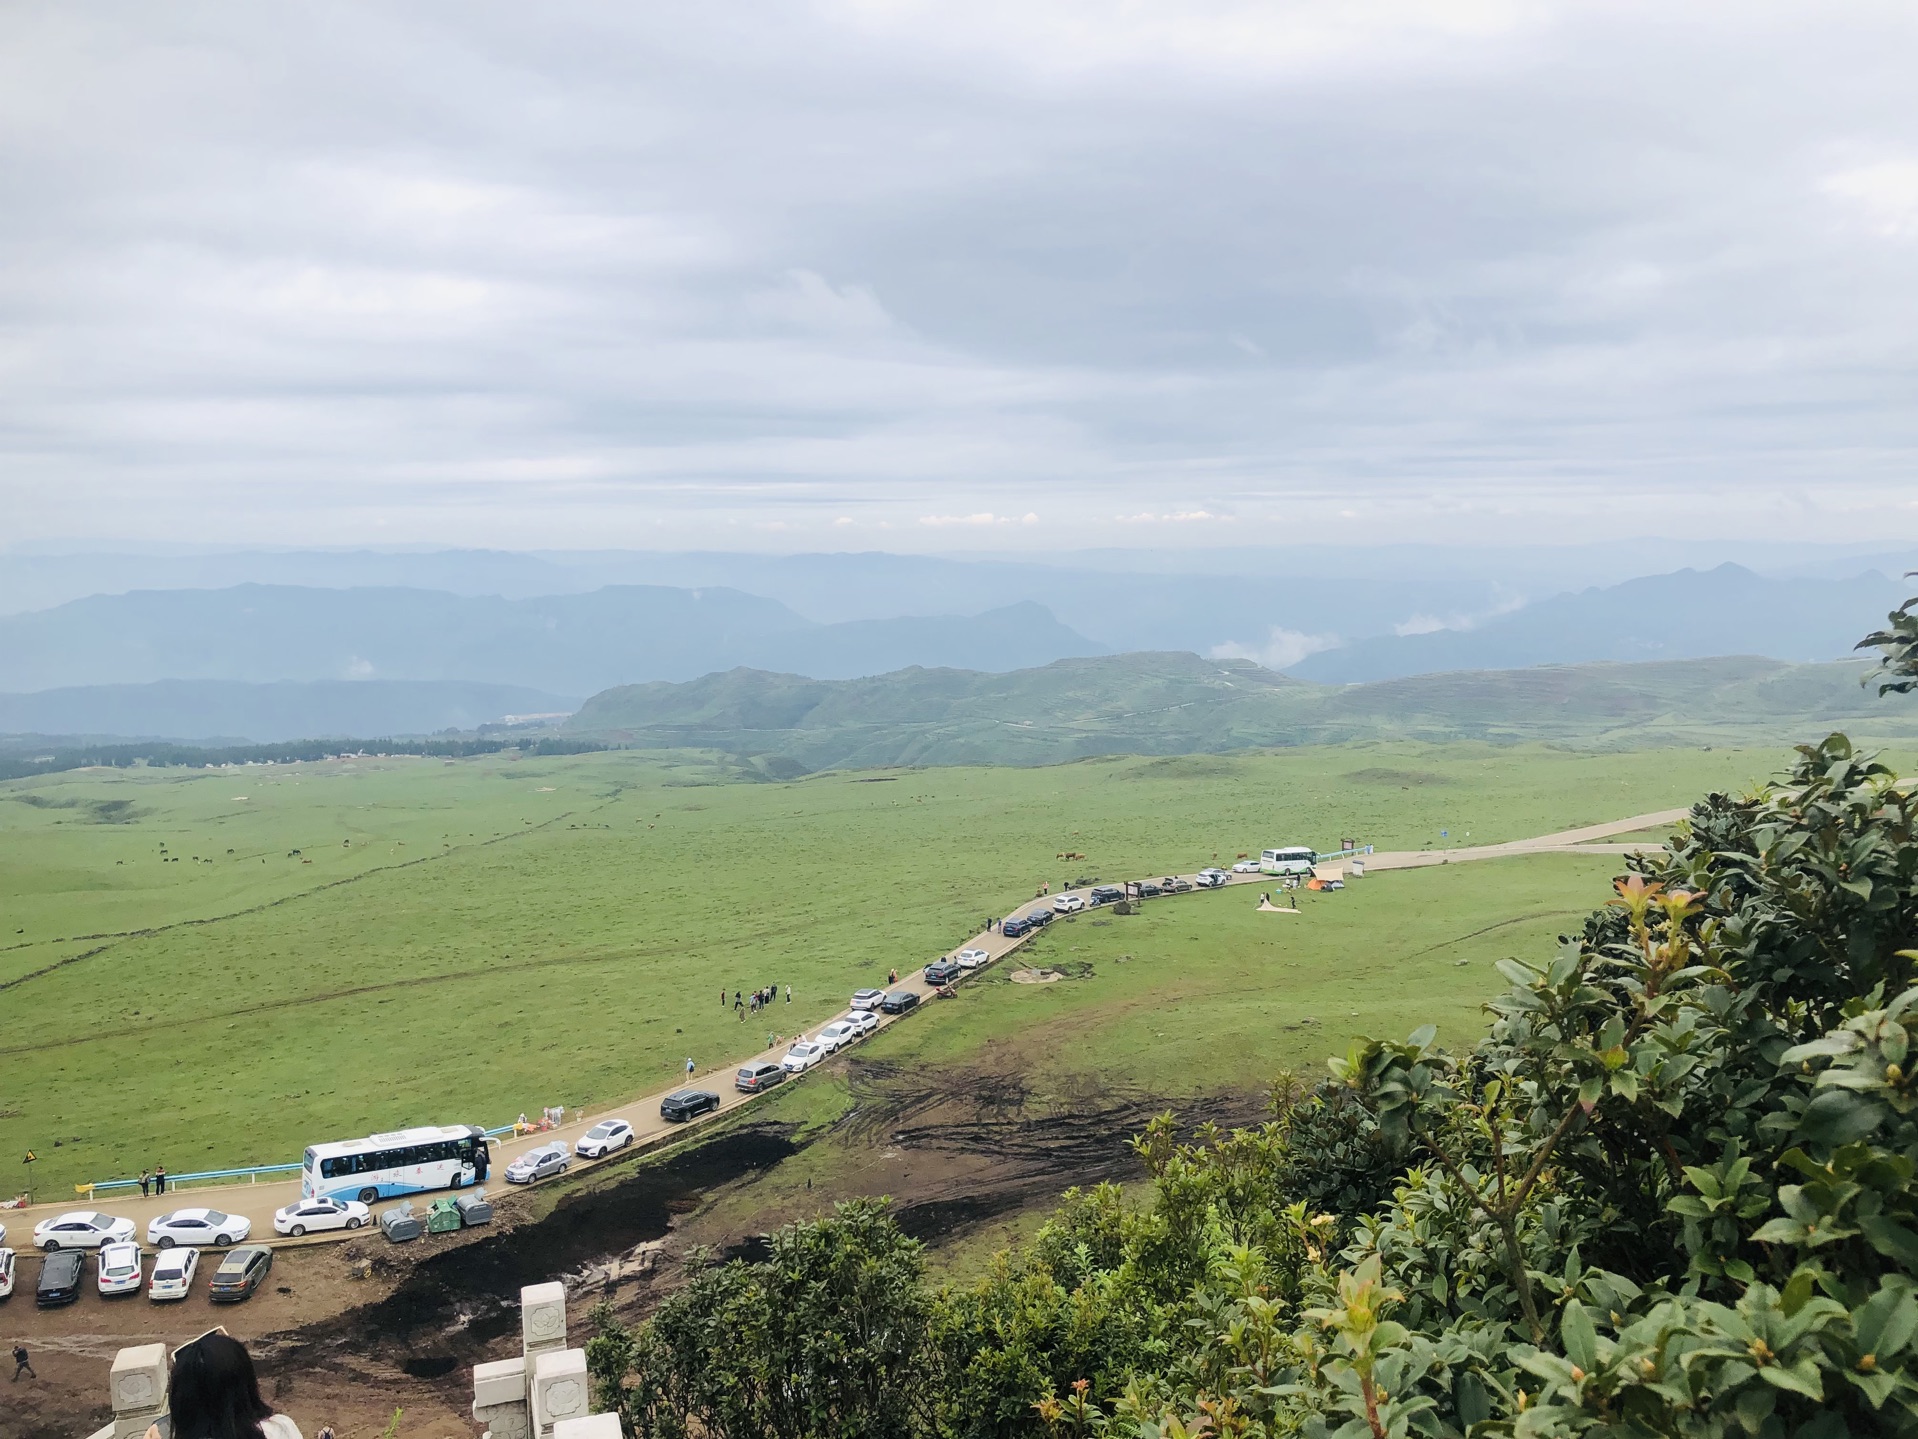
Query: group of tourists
{"points": [[758, 999], [153, 1181]]}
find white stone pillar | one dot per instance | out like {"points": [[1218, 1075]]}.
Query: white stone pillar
{"points": [[559, 1389], [138, 1387], [499, 1398], [542, 1318]]}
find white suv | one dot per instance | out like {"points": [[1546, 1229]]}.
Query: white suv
{"points": [[120, 1268]]}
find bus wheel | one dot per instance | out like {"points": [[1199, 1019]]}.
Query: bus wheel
{"points": [[368, 1196]]}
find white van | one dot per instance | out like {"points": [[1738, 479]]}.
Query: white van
{"points": [[1292, 860]]}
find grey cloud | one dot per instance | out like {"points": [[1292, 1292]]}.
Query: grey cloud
{"points": [[479, 274]]}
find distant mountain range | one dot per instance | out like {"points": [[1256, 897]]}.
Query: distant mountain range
{"points": [[1692, 613], [1214, 600], [1182, 703], [176, 663], [561, 644]]}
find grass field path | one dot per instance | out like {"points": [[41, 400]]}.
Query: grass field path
{"points": [[1582, 840]]}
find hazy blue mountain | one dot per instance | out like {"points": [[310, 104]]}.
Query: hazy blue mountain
{"points": [[1225, 600], [1725, 611], [562, 644], [200, 710]]}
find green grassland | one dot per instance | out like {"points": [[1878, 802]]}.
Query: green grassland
{"points": [[456, 942]]}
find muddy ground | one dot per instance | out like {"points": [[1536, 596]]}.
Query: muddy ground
{"points": [[344, 1334]]}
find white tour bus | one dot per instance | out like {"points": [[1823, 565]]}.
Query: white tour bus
{"points": [[405, 1161], [1294, 860]]}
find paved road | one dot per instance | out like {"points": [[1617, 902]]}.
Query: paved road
{"points": [[258, 1201]]}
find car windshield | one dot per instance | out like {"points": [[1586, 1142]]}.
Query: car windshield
{"points": [[600, 1131]]}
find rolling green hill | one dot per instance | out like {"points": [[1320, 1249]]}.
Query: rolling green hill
{"points": [[1171, 703]]}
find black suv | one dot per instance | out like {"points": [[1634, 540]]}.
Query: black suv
{"points": [[684, 1104], [60, 1275], [1149, 890], [943, 971], [1106, 894], [899, 1001]]}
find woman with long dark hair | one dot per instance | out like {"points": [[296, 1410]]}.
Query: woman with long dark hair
{"points": [[214, 1394]]}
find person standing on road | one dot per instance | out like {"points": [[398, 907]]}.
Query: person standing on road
{"points": [[20, 1364], [146, 1183], [159, 1179]]}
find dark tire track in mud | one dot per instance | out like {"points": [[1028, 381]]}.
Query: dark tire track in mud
{"points": [[1001, 1146]]}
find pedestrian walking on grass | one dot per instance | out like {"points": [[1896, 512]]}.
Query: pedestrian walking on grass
{"points": [[159, 1180], [146, 1183], [789, 994], [20, 1364], [689, 1066]]}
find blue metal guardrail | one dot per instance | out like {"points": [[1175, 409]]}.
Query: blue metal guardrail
{"points": [[250, 1175]]}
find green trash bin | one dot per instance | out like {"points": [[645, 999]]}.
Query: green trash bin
{"points": [[443, 1216]]}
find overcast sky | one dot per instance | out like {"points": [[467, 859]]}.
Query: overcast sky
{"points": [[956, 276]]}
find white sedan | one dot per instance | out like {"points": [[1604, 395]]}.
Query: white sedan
{"points": [[1246, 866], [81, 1229], [603, 1138], [1068, 904], [199, 1226], [313, 1215], [863, 1022], [972, 958], [840, 1031], [802, 1056], [120, 1268]]}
